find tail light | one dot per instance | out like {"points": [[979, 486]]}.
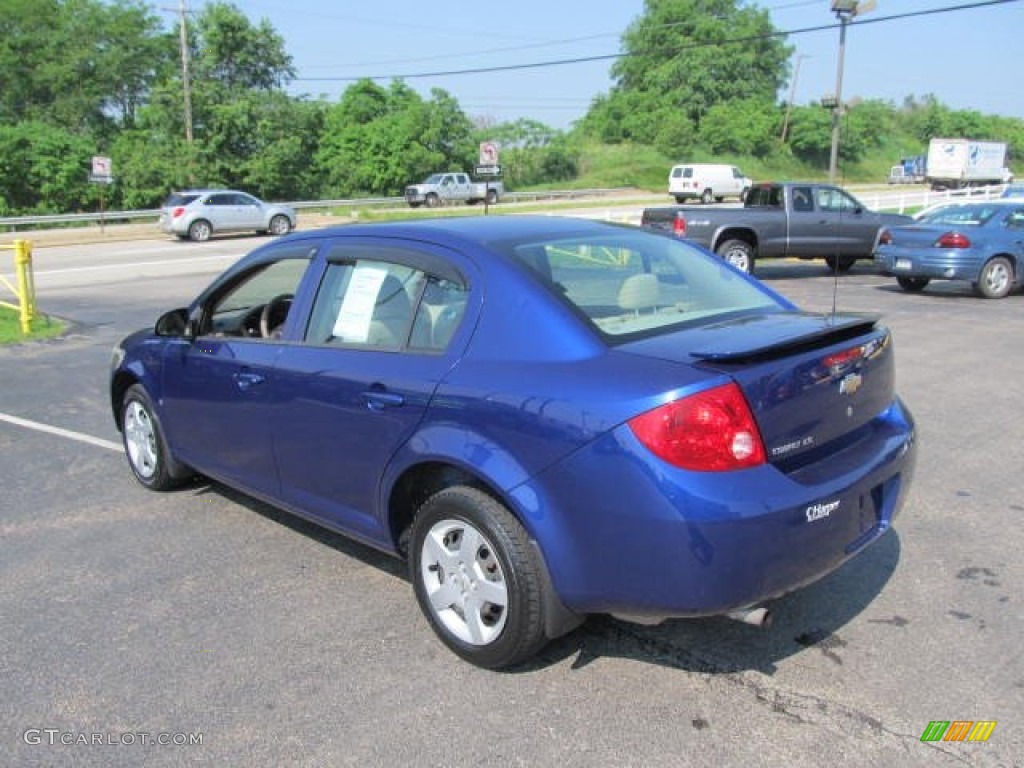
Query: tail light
{"points": [[885, 238], [711, 431], [679, 226], [953, 240], [177, 212]]}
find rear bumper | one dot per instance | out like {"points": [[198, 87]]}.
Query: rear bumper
{"points": [[623, 532], [931, 263]]}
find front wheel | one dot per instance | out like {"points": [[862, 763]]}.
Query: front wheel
{"points": [[739, 253], [913, 284], [433, 201], [144, 443], [492, 196], [706, 197], [996, 278], [477, 578]]}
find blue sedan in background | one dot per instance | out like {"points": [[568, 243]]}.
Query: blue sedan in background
{"points": [[547, 418], [978, 242]]}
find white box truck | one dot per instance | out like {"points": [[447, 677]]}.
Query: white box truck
{"points": [[958, 163]]}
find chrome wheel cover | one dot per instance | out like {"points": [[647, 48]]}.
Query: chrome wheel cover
{"points": [[140, 440], [464, 582]]}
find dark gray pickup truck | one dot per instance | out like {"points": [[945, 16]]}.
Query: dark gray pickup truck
{"points": [[801, 219]]}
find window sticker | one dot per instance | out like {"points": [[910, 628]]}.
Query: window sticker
{"points": [[353, 321]]}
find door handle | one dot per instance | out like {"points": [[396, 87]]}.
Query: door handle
{"points": [[247, 379], [378, 400]]}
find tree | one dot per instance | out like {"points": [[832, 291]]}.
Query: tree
{"points": [[84, 65], [681, 59], [376, 140], [44, 169]]}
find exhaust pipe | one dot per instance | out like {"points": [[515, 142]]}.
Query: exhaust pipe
{"points": [[757, 615]]}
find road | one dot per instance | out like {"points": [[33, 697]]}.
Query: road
{"points": [[203, 615]]}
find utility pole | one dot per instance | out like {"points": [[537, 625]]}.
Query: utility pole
{"points": [[792, 95], [844, 10], [186, 86]]}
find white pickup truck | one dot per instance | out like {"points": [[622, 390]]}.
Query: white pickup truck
{"points": [[441, 188]]}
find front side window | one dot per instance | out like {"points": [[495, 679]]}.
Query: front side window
{"points": [[836, 201], [633, 283], [257, 304]]}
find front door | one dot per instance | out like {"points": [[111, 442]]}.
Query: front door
{"points": [[218, 387]]}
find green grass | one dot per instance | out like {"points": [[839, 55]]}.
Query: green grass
{"points": [[43, 327]]}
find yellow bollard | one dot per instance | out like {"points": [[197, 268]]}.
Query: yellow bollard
{"points": [[26, 285]]}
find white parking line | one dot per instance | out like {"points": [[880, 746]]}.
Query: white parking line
{"points": [[38, 427]]}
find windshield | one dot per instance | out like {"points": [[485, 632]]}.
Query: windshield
{"points": [[637, 283]]}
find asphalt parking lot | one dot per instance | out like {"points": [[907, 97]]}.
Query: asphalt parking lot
{"points": [[201, 627]]}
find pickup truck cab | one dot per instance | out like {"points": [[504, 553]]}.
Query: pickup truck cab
{"points": [[442, 188], [805, 220]]}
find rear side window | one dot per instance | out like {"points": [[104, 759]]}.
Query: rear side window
{"points": [[386, 306]]}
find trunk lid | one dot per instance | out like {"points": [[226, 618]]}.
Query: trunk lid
{"points": [[810, 380]]}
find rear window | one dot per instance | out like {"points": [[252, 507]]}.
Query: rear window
{"points": [[764, 197], [960, 215], [634, 283], [179, 198]]}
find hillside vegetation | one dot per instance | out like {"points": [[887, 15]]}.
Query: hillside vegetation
{"points": [[86, 78]]}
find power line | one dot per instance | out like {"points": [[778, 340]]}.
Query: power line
{"points": [[692, 46]]}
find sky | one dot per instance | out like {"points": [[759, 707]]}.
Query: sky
{"points": [[969, 58]]}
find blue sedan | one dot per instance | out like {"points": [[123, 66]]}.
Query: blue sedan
{"points": [[977, 242], [546, 418]]}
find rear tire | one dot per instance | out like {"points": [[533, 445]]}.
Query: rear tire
{"points": [[477, 578], [913, 284], [996, 278], [739, 253], [199, 231]]}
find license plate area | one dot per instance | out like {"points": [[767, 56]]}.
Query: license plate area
{"points": [[903, 264]]}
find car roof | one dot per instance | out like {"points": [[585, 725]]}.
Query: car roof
{"points": [[482, 229]]}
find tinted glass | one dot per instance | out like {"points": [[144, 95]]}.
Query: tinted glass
{"points": [[633, 283], [960, 215]]}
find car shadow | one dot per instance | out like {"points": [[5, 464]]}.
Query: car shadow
{"points": [[807, 620], [336, 541], [796, 269]]}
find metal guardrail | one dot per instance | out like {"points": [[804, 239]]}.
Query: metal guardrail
{"points": [[900, 201], [15, 223]]}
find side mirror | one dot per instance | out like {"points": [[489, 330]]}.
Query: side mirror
{"points": [[173, 323]]}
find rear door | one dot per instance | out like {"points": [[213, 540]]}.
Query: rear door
{"points": [[383, 331]]}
